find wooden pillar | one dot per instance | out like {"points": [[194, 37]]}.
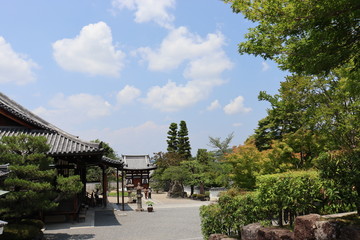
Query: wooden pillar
{"points": [[82, 172], [117, 185], [122, 189], [104, 178], [141, 178]]}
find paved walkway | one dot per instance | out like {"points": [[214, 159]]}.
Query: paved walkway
{"points": [[172, 219]]}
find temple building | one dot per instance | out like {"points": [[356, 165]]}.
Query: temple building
{"points": [[138, 170], [71, 154]]}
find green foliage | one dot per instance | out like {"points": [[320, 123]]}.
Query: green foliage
{"points": [[307, 37], [69, 186], [20, 231], [223, 147], [172, 138], [341, 169], [297, 192], [230, 214], [183, 141], [94, 173], [33, 185], [175, 173], [211, 220], [278, 196], [30, 180], [245, 165]]}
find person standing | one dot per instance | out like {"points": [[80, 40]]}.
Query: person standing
{"points": [[146, 191], [149, 193]]}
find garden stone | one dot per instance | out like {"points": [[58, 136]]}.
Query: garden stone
{"points": [[250, 232], [305, 226], [176, 190], [350, 232], [217, 236], [326, 230], [275, 234]]}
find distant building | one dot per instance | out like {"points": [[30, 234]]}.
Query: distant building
{"points": [[138, 170]]}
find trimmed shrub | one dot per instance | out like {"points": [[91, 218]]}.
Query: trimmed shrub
{"points": [[20, 231], [211, 220], [296, 193], [230, 214]]}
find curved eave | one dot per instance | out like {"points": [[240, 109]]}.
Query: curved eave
{"points": [[140, 169], [112, 162], [60, 145]]}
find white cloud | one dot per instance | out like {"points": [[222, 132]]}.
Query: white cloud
{"points": [[91, 52], [149, 10], [265, 66], [74, 109], [127, 95], [214, 105], [236, 106], [181, 45], [205, 60], [15, 67], [172, 97]]}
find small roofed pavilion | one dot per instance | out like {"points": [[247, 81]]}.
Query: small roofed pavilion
{"points": [[137, 168]]}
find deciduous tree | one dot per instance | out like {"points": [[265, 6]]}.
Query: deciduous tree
{"points": [[307, 37]]}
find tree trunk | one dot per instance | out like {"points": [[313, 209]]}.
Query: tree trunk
{"points": [[202, 189]]}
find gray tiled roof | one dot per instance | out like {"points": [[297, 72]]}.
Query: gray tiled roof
{"points": [[112, 162], [137, 162], [60, 144], [60, 141]]}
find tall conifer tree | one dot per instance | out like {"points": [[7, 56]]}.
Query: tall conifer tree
{"points": [[184, 148], [172, 138]]}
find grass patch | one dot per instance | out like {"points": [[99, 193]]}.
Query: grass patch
{"points": [[114, 194]]}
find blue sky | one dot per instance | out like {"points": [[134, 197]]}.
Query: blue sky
{"points": [[122, 70]]}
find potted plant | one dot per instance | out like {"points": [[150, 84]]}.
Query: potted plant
{"points": [[150, 206]]}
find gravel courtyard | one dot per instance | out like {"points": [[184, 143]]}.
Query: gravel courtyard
{"points": [[172, 219]]}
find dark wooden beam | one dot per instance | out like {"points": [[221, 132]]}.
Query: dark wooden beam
{"points": [[15, 119]]}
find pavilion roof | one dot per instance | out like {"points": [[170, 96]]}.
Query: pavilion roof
{"points": [[61, 143], [137, 162]]}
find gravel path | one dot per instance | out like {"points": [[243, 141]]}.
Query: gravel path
{"points": [[172, 219]]}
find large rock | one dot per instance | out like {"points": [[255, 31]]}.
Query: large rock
{"points": [[250, 232], [176, 190], [274, 234], [326, 230], [305, 227], [217, 236], [350, 232]]}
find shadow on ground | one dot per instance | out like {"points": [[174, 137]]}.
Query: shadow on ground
{"points": [[127, 207], [105, 218], [65, 236]]}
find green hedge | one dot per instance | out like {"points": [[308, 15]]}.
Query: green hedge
{"points": [[294, 193], [230, 214], [278, 196], [18, 231]]}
